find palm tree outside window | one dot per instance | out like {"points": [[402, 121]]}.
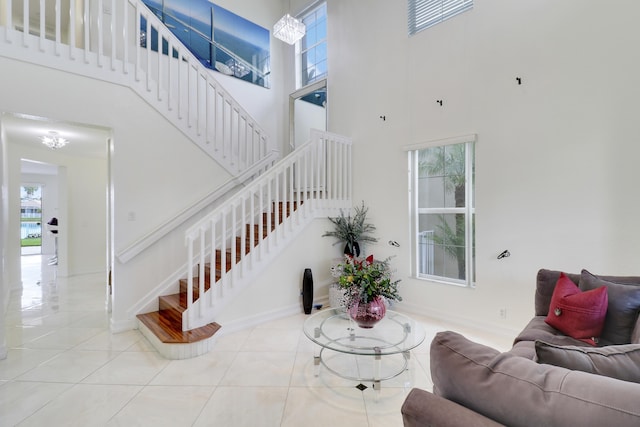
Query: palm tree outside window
{"points": [[444, 212]]}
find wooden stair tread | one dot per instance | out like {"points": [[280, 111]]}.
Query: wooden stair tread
{"points": [[170, 333], [166, 323]]}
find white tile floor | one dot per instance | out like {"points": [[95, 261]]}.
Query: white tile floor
{"points": [[65, 368]]}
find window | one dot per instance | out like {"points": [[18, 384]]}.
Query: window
{"points": [[426, 13], [443, 210], [312, 48]]}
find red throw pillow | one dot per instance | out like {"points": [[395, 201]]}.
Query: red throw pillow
{"points": [[578, 314]]}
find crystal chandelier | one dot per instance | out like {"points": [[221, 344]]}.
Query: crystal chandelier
{"points": [[289, 29], [54, 141]]}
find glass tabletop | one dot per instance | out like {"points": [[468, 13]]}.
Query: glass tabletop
{"points": [[333, 329]]}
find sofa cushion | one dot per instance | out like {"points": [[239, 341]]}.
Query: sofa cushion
{"points": [[537, 329], [615, 361], [520, 392], [578, 314], [546, 282], [622, 311], [422, 408]]}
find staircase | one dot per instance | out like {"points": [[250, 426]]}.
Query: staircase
{"points": [[244, 235], [164, 327]]}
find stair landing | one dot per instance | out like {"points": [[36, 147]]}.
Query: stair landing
{"points": [[171, 341]]}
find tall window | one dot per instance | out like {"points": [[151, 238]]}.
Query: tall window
{"points": [[443, 207], [312, 49], [426, 13]]}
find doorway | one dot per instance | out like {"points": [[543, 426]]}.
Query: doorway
{"points": [[30, 219]]}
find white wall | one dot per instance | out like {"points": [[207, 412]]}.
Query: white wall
{"points": [[307, 116], [555, 155]]}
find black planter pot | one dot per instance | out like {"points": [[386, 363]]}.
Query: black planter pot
{"points": [[307, 291], [352, 250]]}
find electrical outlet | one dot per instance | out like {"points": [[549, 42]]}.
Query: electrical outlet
{"points": [[503, 313]]}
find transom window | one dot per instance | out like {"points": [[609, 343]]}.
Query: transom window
{"points": [[443, 210], [312, 48], [426, 13]]}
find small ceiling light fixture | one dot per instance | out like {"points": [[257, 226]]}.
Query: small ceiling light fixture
{"points": [[54, 141], [289, 29]]}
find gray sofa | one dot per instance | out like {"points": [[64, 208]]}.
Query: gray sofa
{"points": [[547, 378]]}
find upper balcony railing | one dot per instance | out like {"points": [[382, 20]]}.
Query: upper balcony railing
{"points": [[125, 43]]}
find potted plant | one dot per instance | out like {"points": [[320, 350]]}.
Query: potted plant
{"points": [[352, 230], [367, 283]]}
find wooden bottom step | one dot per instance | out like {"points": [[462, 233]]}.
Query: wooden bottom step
{"points": [[168, 333], [179, 344]]}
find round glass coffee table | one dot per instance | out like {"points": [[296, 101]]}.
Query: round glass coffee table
{"points": [[376, 354]]}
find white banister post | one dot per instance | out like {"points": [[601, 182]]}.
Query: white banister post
{"points": [[207, 110], [200, 271], [86, 17], [125, 38], [113, 35], [223, 250], [292, 199], [304, 178], [58, 40], [136, 42], [349, 172], [72, 30], [169, 73], [270, 215], [234, 245], [198, 99], [261, 221], [160, 61], [252, 226], [100, 32], [147, 68], [179, 82], [212, 263], [189, 89], [243, 236], [42, 25], [8, 22], [276, 207], [189, 271]]}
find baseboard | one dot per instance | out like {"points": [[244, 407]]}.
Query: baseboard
{"points": [[261, 318], [464, 322]]}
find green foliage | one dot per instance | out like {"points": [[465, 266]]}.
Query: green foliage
{"points": [[449, 162], [37, 241], [366, 278], [350, 229]]}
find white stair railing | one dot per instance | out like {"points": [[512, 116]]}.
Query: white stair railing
{"points": [[314, 181], [125, 43]]}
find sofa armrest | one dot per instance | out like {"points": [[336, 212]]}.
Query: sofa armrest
{"points": [[422, 408]]}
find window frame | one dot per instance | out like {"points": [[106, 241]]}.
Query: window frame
{"points": [[300, 52], [422, 14], [468, 210]]}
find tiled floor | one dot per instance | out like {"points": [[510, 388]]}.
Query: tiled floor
{"points": [[65, 368]]}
